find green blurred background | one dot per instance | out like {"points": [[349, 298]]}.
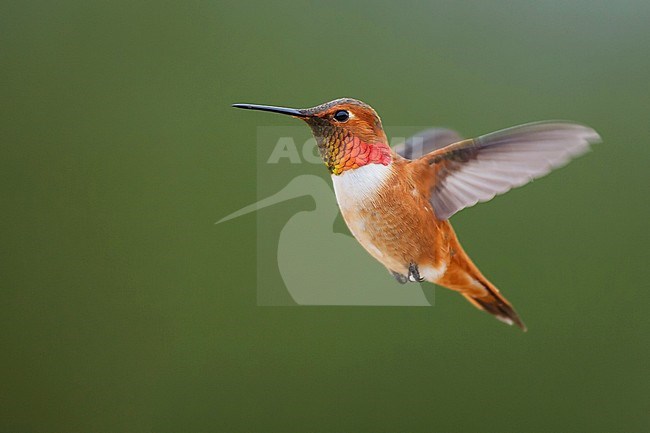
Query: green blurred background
{"points": [[123, 308]]}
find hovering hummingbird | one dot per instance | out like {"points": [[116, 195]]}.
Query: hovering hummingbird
{"points": [[398, 205]]}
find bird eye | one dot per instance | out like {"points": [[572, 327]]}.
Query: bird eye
{"points": [[341, 116]]}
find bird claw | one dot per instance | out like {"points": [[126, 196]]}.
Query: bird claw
{"points": [[414, 273], [401, 278]]}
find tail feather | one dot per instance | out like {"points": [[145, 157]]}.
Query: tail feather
{"points": [[494, 303], [464, 277]]}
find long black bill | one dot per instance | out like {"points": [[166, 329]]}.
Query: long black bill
{"points": [[290, 111]]}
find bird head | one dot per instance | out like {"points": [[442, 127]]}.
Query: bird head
{"points": [[348, 132]]}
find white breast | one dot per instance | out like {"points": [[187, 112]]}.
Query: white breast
{"points": [[355, 187]]}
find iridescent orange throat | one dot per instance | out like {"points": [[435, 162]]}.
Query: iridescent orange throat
{"points": [[342, 151], [354, 153]]}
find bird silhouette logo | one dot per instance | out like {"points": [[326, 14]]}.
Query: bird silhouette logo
{"points": [[317, 265], [321, 267]]}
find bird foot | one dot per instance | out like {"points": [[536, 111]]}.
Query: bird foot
{"points": [[413, 276], [414, 273], [401, 278]]}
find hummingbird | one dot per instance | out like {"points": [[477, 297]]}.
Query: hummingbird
{"points": [[398, 205]]}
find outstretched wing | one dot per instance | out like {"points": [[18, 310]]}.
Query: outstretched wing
{"points": [[475, 170], [426, 141]]}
